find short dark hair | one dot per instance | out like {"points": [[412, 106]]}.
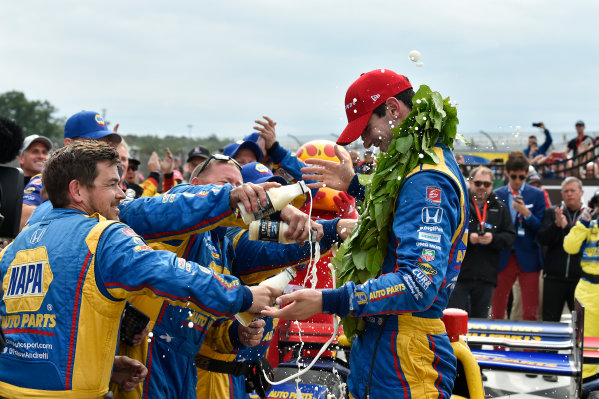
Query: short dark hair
{"points": [[532, 136], [517, 161], [405, 97], [77, 161]]}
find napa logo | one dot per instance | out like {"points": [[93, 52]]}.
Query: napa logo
{"points": [[27, 281], [361, 298], [100, 120], [263, 170]]}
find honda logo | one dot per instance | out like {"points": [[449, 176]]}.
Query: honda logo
{"points": [[432, 215]]}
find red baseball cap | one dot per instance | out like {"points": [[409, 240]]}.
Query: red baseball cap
{"points": [[369, 91]]}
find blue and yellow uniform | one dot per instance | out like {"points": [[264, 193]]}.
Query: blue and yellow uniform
{"points": [[184, 221], [65, 282], [253, 262], [584, 238], [32, 193], [403, 306]]}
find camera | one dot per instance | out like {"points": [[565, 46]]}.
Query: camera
{"points": [[537, 124], [594, 201]]}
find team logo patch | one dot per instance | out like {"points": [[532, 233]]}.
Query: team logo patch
{"points": [[262, 169], [27, 281], [423, 235], [433, 194], [99, 120], [432, 215], [129, 232], [428, 254], [361, 298]]}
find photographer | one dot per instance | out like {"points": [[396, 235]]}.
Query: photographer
{"points": [[583, 240], [532, 142]]}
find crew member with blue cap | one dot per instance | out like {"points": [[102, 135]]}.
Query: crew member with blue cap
{"points": [[246, 150]]}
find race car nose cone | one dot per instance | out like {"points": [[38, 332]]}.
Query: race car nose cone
{"points": [[456, 323]]}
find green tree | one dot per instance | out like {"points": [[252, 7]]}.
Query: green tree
{"points": [[36, 117]]}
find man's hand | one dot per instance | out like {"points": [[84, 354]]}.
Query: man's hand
{"points": [[485, 238], [587, 214], [167, 163], [560, 218], [252, 334], [519, 205], [346, 204], [266, 130], [345, 227], [542, 125], [249, 194], [474, 238], [263, 296], [329, 173], [139, 338], [300, 225], [154, 163], [127, 373], [116, 128], [302, 304]]}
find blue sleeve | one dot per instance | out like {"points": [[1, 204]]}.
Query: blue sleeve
{"points": [[412, 285], [536, 213], [185, 209], [291, 164], [356, 189], [126, 266], [255, 261], [548, 140], [32, 191]]}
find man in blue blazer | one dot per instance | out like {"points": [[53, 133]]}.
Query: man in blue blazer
{"points": [[524, 260]]}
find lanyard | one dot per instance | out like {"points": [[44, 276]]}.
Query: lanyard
{"points": [[481, 219]]}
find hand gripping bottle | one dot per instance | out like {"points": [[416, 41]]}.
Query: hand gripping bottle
{"points": [[278, 198], [278, 282], [273, 231]]}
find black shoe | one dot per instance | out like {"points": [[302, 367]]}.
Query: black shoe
{"points": [[531, 375], [550, 378]]}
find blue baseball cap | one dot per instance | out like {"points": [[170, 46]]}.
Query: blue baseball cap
{"points": [[88, 125], [250, 142], [255, 172]]}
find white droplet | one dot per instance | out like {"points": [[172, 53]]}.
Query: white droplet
{"points": [[355, 100], [324, 184], [149, 340], [416, 128], [190, 324], [424, 118], [414, 55], [355, 111], [421, 155], [418, 101], [420, 64], [150, 334], [398, 177]]}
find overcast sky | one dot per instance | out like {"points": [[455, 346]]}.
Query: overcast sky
{"points": [[157, 66]]}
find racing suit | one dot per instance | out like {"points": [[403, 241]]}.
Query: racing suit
{"points": [[584, 238], [404, 344], [64, 285], [252, 262]]}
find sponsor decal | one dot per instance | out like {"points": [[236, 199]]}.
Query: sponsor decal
{"points": [[433, 194], [422, 279], [129, 232], [29, 190], [414, 290], [181, 263], [375, 97], [27, 281], [428, 245], [171, 199], [37, 236], [139, 248], [29, 320], [227, 284], [262, 169], [432, 215], [436, 229], [428, 254], [205, 269], [99, 120], [423, 235], [427, 268], [386, 292], [138, 241], [188, 195], [188, 267], [361, 298]]}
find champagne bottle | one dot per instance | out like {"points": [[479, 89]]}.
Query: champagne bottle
{"points": [[277, 199], [278, 282], [273, 231]]}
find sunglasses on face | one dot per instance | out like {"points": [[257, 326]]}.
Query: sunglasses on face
{"points": [[218, 157], [478, 183], [132, 167], [517, 177]]}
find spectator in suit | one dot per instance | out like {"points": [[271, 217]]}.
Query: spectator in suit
{"points": [[523, 261]]}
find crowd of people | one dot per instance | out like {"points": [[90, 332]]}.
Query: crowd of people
{"points": [[173, 246]]}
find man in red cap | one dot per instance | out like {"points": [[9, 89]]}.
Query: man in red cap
{"points": [[404, 350]]}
